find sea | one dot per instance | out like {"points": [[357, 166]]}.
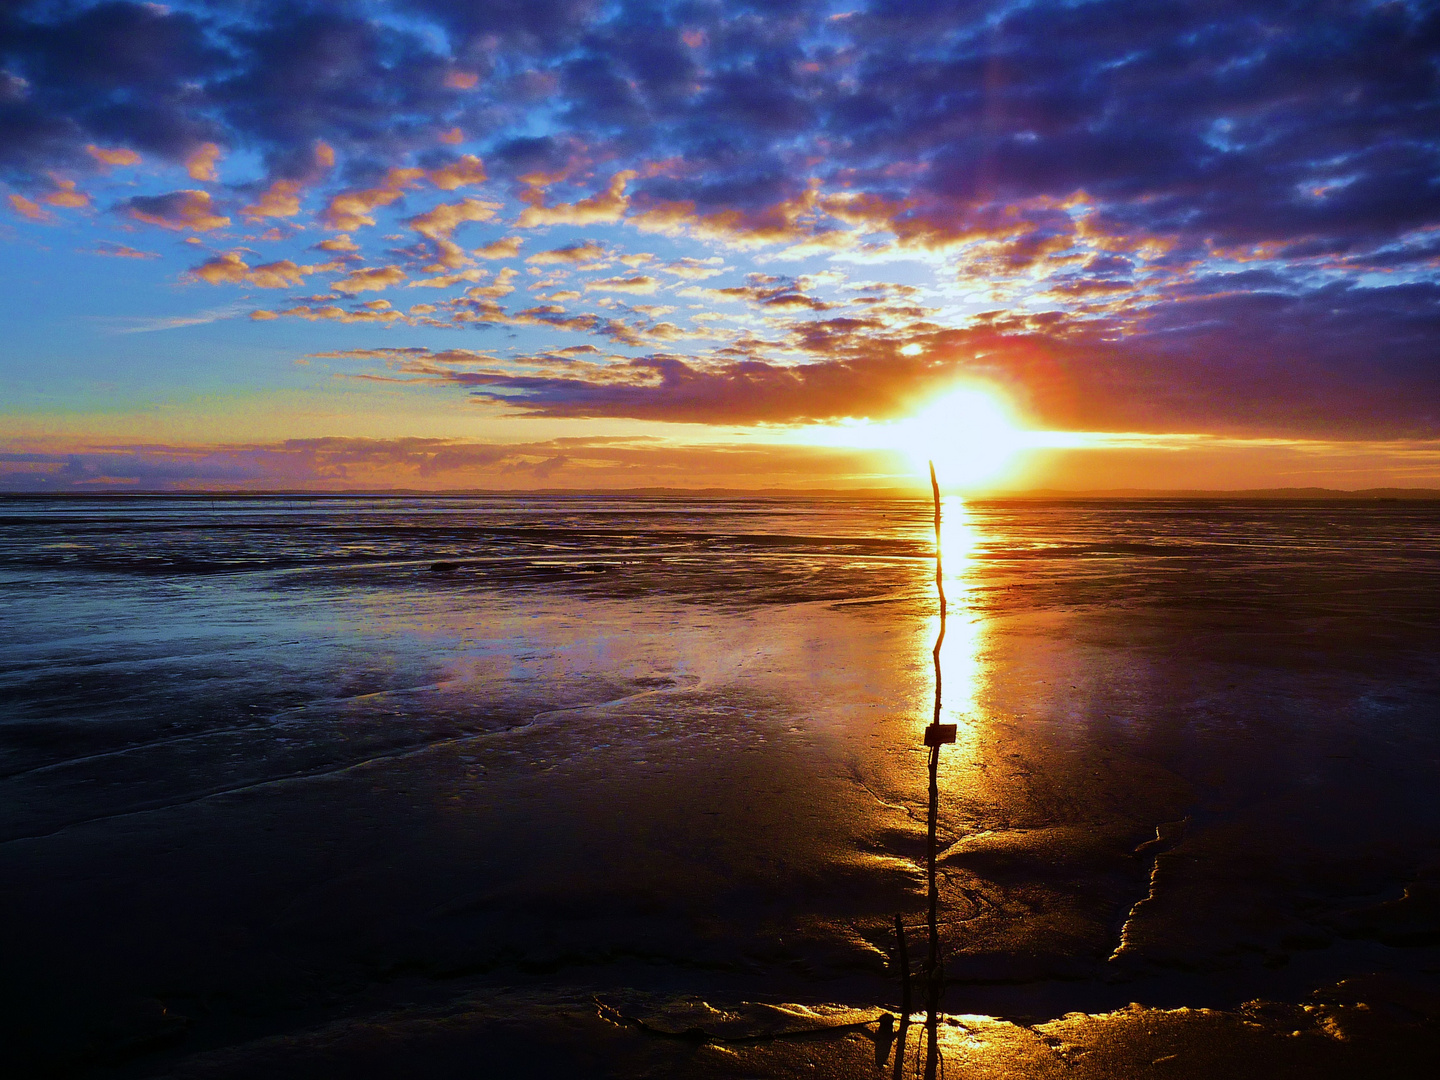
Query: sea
{"points": [[274, 767]]}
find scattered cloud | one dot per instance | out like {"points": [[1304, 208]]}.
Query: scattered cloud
{"points": [[118, 155], [374, 279], [579, 252], [607, 206], [280, 200], [505, 248], [29, 209], [1126, 215], [351, 210], [637, 283], [466, 170], [122, 251], [438, 225], [200, 163], [189, 210]]}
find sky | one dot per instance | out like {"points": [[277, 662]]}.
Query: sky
{"points": [[499, 244]]}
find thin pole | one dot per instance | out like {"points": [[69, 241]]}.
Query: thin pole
{"points": [[902, 961], [932, 965]]}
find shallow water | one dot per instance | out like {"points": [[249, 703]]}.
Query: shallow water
{"points": [[266, 766]]}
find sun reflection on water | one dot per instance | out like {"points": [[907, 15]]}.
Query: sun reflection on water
{"points": [[962, 673]]}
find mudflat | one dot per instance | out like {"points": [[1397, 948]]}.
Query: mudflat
{"points": [[625, 787]]}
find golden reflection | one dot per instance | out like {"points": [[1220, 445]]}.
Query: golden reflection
{"points": [[961, 671]]}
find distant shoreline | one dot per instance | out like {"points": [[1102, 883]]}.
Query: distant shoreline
{"points": [[1305, 494]]}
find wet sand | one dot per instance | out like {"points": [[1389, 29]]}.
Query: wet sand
{"points": [[638, 790]]}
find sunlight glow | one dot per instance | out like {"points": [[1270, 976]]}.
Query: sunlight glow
{"points": [[960, 659], [968, 433]]}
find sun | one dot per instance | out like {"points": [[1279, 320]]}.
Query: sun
{"points": [[969, 433]]}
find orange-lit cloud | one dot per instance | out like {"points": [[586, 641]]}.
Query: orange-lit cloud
{"points": [[200, 165], [505, 248], [351, 210], [338, 243], [439, 223], [786, 220], [642, 284], [585, 251], [444, 281], [29, 209], [607, 206], [118, 155], [467, 170], [501, 286], [65, 195], [372, 279], [230, 268], [335, 313], [280, 200], [181, 211], [226, 268]]}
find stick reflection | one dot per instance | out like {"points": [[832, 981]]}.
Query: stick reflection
{"points": [[962, 669]]}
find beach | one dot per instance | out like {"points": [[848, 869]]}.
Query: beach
{"points": [[626, 786]]}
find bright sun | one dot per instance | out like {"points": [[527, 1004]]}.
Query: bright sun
{"points": [[968, 433]]}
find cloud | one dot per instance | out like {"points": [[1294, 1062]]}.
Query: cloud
{"points": [[200, 163], [581, 251], [439, 223], [144, 324], [638, 283], [29, 209], [335, 313], [105, 247], [64, 194], [505, 248], [445, 281], [764, 291], [466, 170], [280, 200], [374, 279], [693, 269], [351, 210], [230, 268], [341, 244], [118, 155], [182, 211], [608, 206]]}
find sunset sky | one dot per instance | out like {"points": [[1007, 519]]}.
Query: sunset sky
{"points": [[560, 243]]}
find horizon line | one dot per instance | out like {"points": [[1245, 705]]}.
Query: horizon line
{"points": [[1270, 493]]}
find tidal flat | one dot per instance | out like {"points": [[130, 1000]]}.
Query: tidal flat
{"points": [[622, 787]]}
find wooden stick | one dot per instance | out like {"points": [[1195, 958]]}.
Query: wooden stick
{"points": [[932, 963], [902, 960]]}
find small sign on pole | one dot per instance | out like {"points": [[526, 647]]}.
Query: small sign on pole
{"points": [[939, 734]]}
